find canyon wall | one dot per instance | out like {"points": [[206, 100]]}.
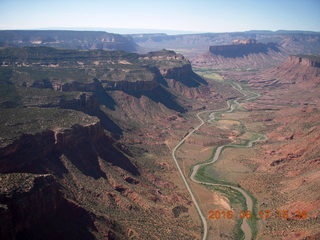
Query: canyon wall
{"points": [[242, 50], [243, 54], [32, 206], [67, 39], [300, 70], [41, 152], [305, 60], [79, 125]]}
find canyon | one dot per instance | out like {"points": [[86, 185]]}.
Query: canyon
{"points": [[77, 134], [88, 136]]}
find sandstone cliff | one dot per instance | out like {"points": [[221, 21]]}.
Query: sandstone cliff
{"points": [[174, 66], [76, 183], [302, 70], [92, 81], [305, 60], [241, 56], [87, 120], [41, 152], [33, 176], [243, 49], [33, 206], [292, 42]]}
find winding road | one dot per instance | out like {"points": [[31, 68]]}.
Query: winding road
{"points": [[232, 105]]}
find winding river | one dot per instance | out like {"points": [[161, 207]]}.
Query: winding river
{"points": [[232, 105]]}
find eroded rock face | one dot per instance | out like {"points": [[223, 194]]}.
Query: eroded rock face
{"points": [[82, 145], [174, 66], [183, 74], [36, 199], [68, 39], [32, 207], [242, 54], [243, 49], [310, 61], [23, 194], [68, 137], [302, 70]]}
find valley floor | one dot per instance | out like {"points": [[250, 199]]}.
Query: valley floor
{"points": [[277, 172]]}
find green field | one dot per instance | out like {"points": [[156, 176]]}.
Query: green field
{"points": [[208, 73]]}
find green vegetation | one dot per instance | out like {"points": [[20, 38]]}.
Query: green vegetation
{"points": [[253, 221], [9, 96], [237, 201], [15, 122], [235, 197], [28, 65], [245, 89], [130, 73], [208, 74], [44, 97], [216, 182], [164, 59], [47, 55], [47, 77], [62, 74], [207, 173]]}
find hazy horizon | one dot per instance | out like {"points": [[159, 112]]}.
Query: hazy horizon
{"points": [[130, 31], [168, 16]]}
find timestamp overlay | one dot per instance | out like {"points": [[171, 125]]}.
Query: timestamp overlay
{"points": [[217, 214]]}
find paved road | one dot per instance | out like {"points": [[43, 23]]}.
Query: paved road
{"points": [[249, 203], [202, 217]]}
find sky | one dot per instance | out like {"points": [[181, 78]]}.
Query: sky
{"points": [[165, 15]]}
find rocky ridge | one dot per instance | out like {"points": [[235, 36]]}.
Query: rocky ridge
{"points": [[288, 110], [302, 70], [67, 39], [242, 49], [67, 117], [305, 60], [51, 216], [268, 48], [243, 55], [292, 42]]}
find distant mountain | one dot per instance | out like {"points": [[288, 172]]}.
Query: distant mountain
{"points": [[241, 54], [218, 50], [292, 42], [67, 39]]}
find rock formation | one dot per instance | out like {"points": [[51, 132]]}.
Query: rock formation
{"points": [[67, 39], [74, 129], [247, 54], [305, 60], [242, 49], [290, 42], [33, 206], [303, 70]]}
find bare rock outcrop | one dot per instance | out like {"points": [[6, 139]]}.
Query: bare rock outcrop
{"points": [[68, 39], [241, 54], [243, 48], [82, 145], [32, 206], [303, 70], [305, 60]]}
